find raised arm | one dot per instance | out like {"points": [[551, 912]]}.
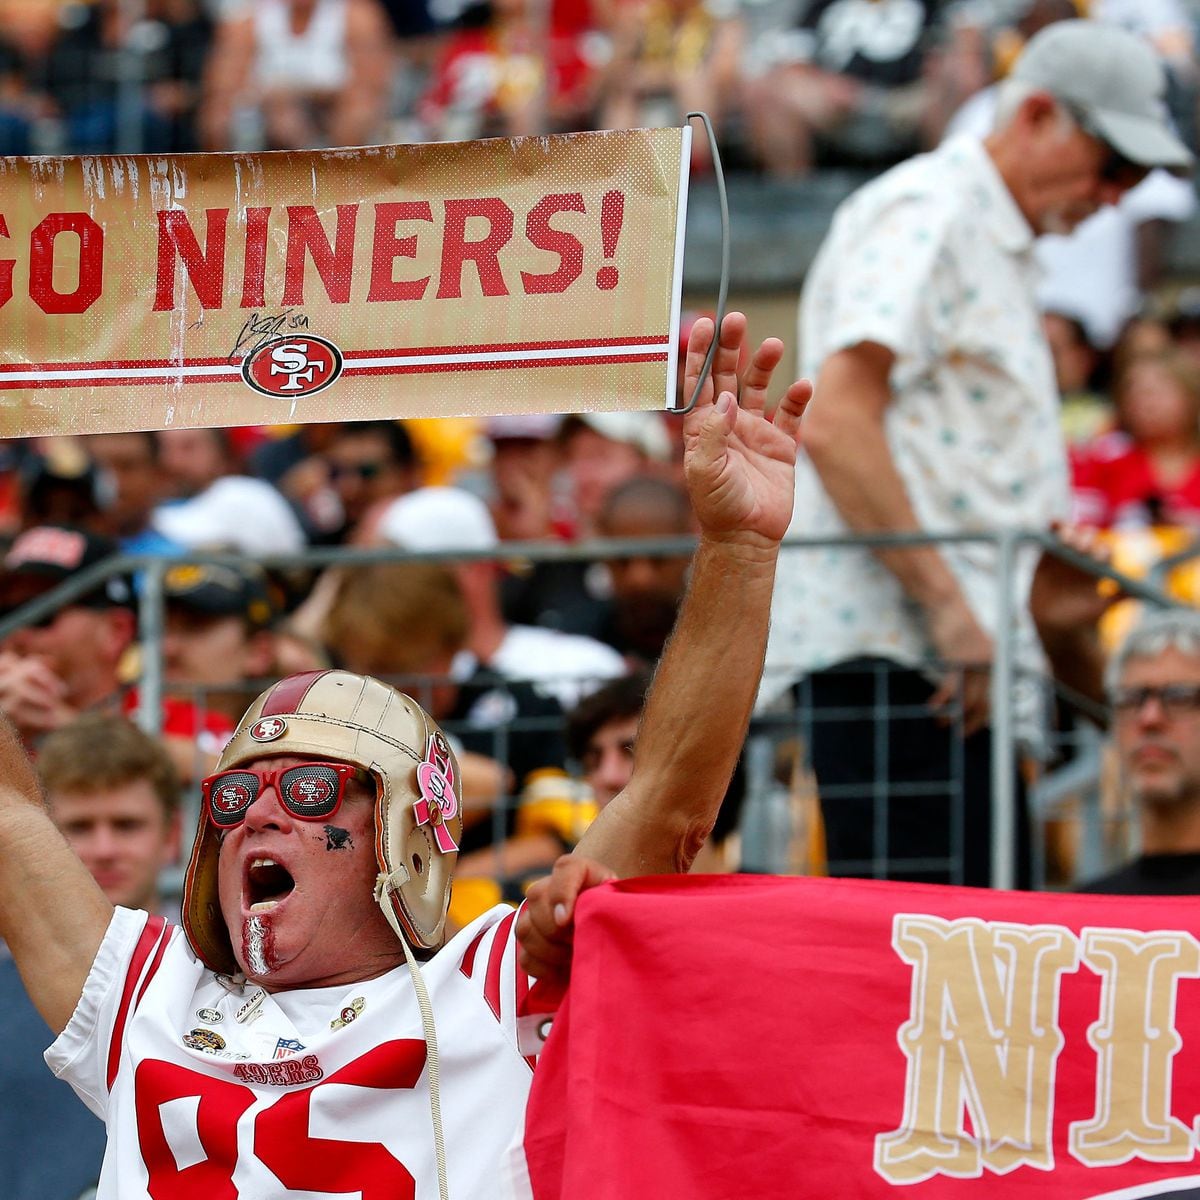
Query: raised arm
{"points": [[52, 913], [740, 470]]}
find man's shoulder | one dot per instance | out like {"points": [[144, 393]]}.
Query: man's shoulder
{"points": [[1121, 882], [927, 199], [931, 178], [1151, 875]]}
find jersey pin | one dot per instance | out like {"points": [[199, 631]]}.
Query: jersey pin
{"points": [[209, 1015], [204, 1039], [349, 1013], [250, 1008]]}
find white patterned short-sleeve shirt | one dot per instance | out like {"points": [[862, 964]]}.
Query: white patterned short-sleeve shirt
{"points": [[934, 261]]}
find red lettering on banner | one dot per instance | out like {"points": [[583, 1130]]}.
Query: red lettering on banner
{"points": [[334, 263], [612, 217], [254, 272], [90, 282], [387, 247], [544, 236], [333, 259], [204, 268], [485, 253], [6, 269]]}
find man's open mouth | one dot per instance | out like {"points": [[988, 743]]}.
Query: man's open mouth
{"points": [[267, 884]]}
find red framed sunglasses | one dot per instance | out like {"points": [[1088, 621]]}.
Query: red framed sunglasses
{"points": [[311, 791]]}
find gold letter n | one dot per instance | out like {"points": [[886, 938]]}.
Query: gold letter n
{"points": [[982, 1041]]}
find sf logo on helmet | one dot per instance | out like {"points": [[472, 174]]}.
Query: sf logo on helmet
{"points": [[293, 365]]}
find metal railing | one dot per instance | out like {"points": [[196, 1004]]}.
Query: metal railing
{"points": [[762, 817]]}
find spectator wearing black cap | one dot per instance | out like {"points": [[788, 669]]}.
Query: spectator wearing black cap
{"points": [[58, 485], [54, 668], [217, 637]]}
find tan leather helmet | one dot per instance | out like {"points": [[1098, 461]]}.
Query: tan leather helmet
{"points": [[355, 719]]}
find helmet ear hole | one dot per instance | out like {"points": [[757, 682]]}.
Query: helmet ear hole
{"points": [[418, 864]]}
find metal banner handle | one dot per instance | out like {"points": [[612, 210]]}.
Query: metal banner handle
{"points": [[723, 289]]}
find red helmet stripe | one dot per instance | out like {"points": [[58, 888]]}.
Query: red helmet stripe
{"points": [[287, 695]]}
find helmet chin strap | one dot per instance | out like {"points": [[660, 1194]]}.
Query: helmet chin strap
{"points": [[385, 885]]}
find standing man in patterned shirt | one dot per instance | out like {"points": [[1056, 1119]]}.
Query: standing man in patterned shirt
{"points": [[936, 410]]}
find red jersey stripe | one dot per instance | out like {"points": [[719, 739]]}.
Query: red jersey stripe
{"points": [[152, 970], [491, 986], [141, 952], [467, 966]]}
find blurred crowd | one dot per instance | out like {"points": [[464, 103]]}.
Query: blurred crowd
{"points": [[536, 668], [499, 648], [790, 84]]}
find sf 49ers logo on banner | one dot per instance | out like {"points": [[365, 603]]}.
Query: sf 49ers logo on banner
{"points": [[293, 365], [438, 802]]}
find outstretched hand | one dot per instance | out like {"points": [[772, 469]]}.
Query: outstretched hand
{"points": [[1064, 597], [546, 926], [740, 463]]}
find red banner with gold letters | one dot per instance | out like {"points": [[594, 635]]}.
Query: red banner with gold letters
{"points": [[506, 275], [730, 1037]]}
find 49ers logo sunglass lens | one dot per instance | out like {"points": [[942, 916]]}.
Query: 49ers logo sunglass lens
{"points": [[310, 791]]}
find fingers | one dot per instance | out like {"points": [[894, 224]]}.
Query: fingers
{"points": [[791, 408], [729, 353], [546, 926], [757, 379], [543, 946], [751, 391], [977, 702], [699, 341], [966, 696], [723, 377], [1086, 540]]}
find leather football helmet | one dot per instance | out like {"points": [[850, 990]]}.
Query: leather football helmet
{"points": [[418, 811]]}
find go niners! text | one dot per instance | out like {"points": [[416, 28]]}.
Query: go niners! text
{"points": [[473, 235]]}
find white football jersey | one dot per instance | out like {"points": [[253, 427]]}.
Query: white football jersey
{"points": [[211, 1090]]}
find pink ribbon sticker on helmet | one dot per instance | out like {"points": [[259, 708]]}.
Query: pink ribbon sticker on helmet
{"points": [[437, 801]]}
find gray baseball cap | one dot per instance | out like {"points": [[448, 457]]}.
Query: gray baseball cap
{"points": [[1113, 82]]}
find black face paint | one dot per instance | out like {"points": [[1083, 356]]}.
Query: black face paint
{"points": [[338, 839]]}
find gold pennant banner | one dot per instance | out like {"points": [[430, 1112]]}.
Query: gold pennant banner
{"points": [[499, 276]]}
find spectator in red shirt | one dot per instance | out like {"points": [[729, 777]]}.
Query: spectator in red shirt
{"points": [[504, 72], [1146, 472]]}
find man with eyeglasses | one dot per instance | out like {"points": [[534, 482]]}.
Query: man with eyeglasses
{"points": [[1153, 684], [936, 411], [313, 1036]]}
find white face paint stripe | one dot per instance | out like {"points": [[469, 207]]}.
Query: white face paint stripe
{"points": [[255, 940]]}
